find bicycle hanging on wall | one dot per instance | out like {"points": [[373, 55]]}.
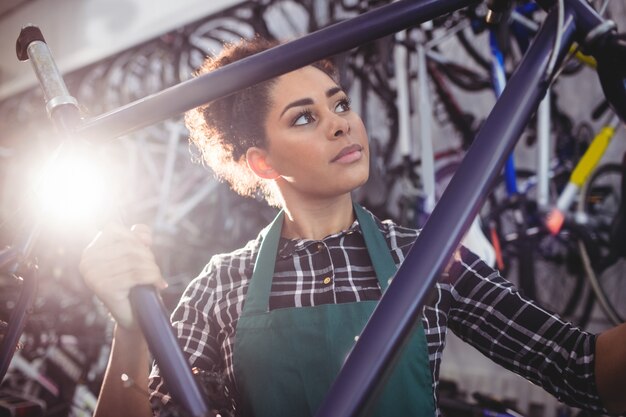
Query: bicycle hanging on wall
{"points": [[568, 21]]}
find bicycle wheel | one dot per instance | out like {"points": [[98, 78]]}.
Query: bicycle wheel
{"points": [[545, 268], [606, 270], [559, 275]]}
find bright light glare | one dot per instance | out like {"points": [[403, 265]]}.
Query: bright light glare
{"points": [[71, 190]]}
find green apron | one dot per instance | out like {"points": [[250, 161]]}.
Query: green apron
{"points": [[285, 360]]}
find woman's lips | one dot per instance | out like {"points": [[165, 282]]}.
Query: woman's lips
{"points": [[349, 154]]}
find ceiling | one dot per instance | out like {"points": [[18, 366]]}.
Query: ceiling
{"points": [[94, 30], [8, 6]]}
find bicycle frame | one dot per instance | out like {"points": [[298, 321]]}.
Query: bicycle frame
{"points": [[332, 40], [406, 296], [393, 319]]}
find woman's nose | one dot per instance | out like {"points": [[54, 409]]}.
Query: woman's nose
{"points": [[339, 127]]}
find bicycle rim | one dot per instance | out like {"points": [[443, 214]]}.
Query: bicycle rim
{"points": [[606, 274], [545, 268]]}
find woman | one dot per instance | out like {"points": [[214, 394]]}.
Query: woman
{"points": [[277, 317]]}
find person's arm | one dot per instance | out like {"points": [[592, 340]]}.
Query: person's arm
{"points": [[489, 313], [117, 260], [611, 368], [130, 356]]}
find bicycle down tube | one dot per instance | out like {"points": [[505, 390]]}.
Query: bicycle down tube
{"points": [[380, 343]]}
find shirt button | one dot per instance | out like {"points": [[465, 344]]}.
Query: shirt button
{"points": [[327, 280], [320, 246]]}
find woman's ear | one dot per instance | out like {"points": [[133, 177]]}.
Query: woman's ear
{"points": [[258, 163]]}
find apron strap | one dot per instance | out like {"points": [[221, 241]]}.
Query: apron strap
{"points": [[257, 298], [377, 248]]}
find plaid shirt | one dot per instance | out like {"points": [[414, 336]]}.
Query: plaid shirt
{"points": [[472, 299]]}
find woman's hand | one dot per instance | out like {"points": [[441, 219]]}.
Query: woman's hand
{"points": [[117, 260]]}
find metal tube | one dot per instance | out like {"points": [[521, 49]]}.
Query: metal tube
{"points": [[50, 80], [163, 343], [543, 152], [323, 43], [30, 45], [587, 18], [425, 112], [393, 319], [400, 61], [61, 106], [151, 315]]}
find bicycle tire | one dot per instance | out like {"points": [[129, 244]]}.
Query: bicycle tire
{"points": [[606, 272], [546, 268]]}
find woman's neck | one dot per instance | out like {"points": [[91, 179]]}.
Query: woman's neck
{"points": [[304, 220]]}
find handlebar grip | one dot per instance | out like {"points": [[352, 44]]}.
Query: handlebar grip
{"points": [[28, 35], [155, 325]]}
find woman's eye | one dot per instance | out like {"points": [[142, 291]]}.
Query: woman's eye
{"points": [[343, 105], [303, 118]]}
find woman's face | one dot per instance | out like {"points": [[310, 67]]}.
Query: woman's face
{"points": [[315, 142]]}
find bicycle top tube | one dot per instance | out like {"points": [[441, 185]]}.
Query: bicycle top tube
{"points": [[281, 59]]}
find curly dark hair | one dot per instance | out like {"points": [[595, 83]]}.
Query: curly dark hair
{"points": [[225, 129]]}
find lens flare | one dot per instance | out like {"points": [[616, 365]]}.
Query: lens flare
{"points": [[72, 190]]}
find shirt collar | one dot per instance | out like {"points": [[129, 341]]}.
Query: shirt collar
{"points": [[287, 247]]}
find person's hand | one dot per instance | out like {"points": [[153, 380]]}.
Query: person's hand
{"points": [[117, 260]]}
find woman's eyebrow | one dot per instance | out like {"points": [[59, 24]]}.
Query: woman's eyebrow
{"points": [[308, 101], [297, 103], [332, 91]]}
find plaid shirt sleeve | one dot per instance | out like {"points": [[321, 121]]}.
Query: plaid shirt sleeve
{"points": [[491, 315]]}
